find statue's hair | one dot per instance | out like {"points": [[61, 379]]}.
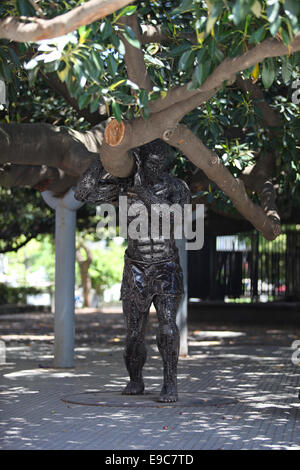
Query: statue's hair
{"points": [[157, 147]]}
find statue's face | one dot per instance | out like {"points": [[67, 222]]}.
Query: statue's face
{"points": [[154, 164], [154, 156]]}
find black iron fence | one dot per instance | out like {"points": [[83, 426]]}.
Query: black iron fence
{"points": [[248, 267]]}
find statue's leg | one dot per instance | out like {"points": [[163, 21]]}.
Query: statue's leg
{"points": [[135, 350], [168, 343]]}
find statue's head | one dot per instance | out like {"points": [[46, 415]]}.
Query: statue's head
{"points": [[153, 156]]}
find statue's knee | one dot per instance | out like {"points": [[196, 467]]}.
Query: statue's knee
{"points": [[168, 330]]}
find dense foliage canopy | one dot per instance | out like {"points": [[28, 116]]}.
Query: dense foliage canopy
{"points": [[228, 71]]}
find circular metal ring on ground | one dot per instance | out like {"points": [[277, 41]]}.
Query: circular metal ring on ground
{"points": [[147, 400]]}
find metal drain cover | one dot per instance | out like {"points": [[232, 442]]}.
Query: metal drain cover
{"points": [[148, 400]]}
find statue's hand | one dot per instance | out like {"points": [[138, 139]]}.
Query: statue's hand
{"points": [[139, 179]]}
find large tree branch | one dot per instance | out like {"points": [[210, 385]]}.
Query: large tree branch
{"points": [[264, 220], [272, 47], [227, 71], [258, 178], [43, 144], [35, 29], [114, 151], [134, 57], [263, 186], [38, 177]]}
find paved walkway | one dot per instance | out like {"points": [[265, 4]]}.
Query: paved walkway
{"points": [[238, 389]]}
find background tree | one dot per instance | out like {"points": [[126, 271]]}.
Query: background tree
{"points": [[84, 260], [190, 72]]}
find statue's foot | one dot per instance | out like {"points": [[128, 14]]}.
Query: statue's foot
{"points": [[168, 394], [134, 388]]}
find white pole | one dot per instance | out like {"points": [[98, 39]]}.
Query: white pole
{"points": [[64, 321], [181, 318]]}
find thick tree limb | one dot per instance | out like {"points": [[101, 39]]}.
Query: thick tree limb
{"points": [[269, 48], [227, 71], [43, 144], [186, 99], [35, 29], [266, 222], [117, 160], [134, 57], [258, 178], [264, 188], [38, 177]]}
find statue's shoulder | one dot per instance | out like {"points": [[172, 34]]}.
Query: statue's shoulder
{"points": [[180, 189], [177, 183]]}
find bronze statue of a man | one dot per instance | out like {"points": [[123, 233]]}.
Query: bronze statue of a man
{"points": [[152, 271]]}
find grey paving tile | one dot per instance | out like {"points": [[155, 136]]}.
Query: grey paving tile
{"points": [[256, 373]]}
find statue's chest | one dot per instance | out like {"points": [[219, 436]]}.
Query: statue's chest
{"points": [[160, 191]]}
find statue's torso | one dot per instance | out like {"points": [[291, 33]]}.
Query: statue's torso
{"points": [[151, 248]]}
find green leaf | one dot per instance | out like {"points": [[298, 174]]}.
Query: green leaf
{"points": [[115, 85], [153, 60], [258, 35], [186, 60], [292, 7], [118, 44], [239, 11], [285, 36], [268, 72], [63, 73], [94, 105], [256, 8], [83, 33], [176, 51], [129, 35], [14, 57], [143, 102], [127, 11], [112, 65], [202, 71], [238, 164], [106, 29], [273, 10], [94, 65], [84, 100], [216, 9], [25, 8], [275, 26], [185, 6], [116, 111]]}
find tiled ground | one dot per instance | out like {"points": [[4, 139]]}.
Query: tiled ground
{"points": [[245, 377]]}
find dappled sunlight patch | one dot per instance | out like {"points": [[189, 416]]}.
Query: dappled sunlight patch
{"points": [[218, 334], [27, 337], [45, 373], [204, 343]]}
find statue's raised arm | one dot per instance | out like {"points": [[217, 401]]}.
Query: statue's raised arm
{"points": [[96, 185]]}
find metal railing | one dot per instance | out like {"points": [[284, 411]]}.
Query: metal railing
{"points": [[247, 267]]}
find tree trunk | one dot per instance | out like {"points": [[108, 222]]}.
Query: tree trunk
{"points": [[84, 264], [86, 282]]}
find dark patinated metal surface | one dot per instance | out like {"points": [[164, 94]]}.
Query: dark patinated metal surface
{"points": [[152, 271]]}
